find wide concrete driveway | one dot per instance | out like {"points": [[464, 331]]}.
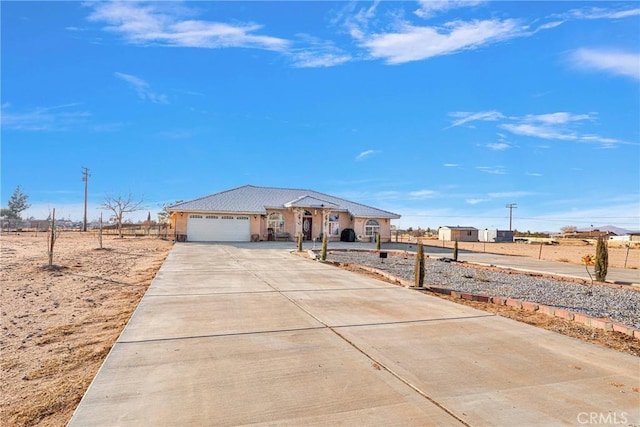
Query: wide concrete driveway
{"points": [[250, 334]]}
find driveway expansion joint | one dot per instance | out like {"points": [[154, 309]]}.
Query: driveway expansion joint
{"points": [[374, 361]]}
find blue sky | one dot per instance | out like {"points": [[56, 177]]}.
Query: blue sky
{"points": [[443, 112]]}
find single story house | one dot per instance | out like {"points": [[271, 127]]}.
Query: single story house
{"points": [[487, 235], [461, 234], [251, 213]]}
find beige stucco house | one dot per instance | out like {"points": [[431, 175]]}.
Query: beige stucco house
{"points": [[251, 213]]}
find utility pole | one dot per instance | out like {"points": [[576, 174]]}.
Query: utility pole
{"points": [[511, 206], [85, 179]]}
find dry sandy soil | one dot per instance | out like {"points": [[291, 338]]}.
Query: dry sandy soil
{"points": [[570, 251], [59, 324]]}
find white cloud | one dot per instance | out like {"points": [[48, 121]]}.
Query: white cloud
{"points": [[498, 146], [450, 165], [395, 39], [538, 131], [601, 13], [509, 194], [412, 43], [142, 88], [604, 142], [466, 117], [429, 8], [558, 126], [562, 126], [422, 194], [365, 154], [610, 61], [164, 24], [557, 118], [533, 174], [475, 201], [493, 170], [357, 23], [386, 195], [44, 119], [319, 54], [550, 25]]}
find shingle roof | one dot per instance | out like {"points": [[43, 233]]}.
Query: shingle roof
{"points": [[256, 200]]}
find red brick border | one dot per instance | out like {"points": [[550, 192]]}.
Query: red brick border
{"points": [[593, 322]]}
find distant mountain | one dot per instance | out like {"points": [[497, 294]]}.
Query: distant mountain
{"points": [[612, 228]]}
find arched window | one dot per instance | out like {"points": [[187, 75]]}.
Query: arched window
{"points": [[275, 223], [372, 227]]}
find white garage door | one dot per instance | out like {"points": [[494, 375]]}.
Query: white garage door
{"points": [[218, 228]]}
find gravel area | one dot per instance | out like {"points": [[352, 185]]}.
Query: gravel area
{"points": [[620, 305]]}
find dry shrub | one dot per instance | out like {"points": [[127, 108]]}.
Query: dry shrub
{"points": [[62, 394]]}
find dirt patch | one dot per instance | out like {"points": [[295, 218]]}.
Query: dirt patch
{"points": [[58, 324]]}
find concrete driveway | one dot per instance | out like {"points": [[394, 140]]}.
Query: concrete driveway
{"points": [[250, 334]]}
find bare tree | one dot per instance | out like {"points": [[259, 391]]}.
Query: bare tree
{"points": [[163, 215], [120, 206], [53, 236], [568, 229]]}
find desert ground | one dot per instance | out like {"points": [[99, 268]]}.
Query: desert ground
{"points": [[58, 324], [569, 250]]}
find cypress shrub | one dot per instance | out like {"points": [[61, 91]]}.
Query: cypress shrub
{"points": [[418, 271], [602, 260], [323, 253], [455, 251], [300, 242], [378, 241]]}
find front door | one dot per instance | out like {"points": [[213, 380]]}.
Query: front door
{"points": [[306, 228]]}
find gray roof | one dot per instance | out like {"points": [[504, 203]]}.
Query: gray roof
{"points": [[458, 227], [250, 199]]}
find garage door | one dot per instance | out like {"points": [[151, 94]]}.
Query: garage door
{"points": [[218, 228]]}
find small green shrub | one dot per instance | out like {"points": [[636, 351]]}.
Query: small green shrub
{"points": [[419, 267], [323, 252], [455, 251], [378, 241], [601, 263]]}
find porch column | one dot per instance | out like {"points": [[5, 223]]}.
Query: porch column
{"points": [[325, 222], [297, 215]]}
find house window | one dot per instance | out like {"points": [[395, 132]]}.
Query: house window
{"points": [[275, 223], [334, 224], [371, 228]]}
